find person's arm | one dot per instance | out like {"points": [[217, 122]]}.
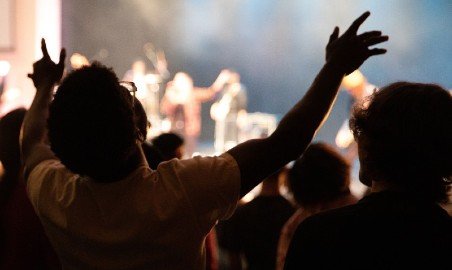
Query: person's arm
{"points": [[260, 157], [34, 129], [203, 94]]}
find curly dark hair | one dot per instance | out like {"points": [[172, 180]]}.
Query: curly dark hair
{"points": [[404, 137], [320, 174], [91, 124]]}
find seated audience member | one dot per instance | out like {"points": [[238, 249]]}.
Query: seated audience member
{"points": [[104, 208], [319, 180], [23, 243], [170, 145], [253, 231], [404, 147]]}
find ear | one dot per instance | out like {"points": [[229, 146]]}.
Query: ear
{"points": [[139, 136]]}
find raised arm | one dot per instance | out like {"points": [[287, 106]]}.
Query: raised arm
{"points": [[34, 129], [204, 94], [259, 158]]}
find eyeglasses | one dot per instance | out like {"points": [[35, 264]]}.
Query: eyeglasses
{"points": [[131, 87]]}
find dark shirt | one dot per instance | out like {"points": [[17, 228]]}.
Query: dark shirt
{"points": [[23, 243], [254, 230], [385, 230], [152, 154]]}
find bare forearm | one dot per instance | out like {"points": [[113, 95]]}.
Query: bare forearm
{"points": [[34, 129], [344, 54], [300, 124], [35, 123], [261, 157]]}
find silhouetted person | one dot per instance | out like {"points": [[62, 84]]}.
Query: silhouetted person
{"points": [[103, 207], [23, 243], [319, 180], [170, 145], [253, 231], [404, 144]]}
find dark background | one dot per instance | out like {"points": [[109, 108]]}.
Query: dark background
{"points": [[276, 46]]}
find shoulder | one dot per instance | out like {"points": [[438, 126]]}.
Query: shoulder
{"points": [[201, 166], [48, 170], [331, 222], [48, 178]]}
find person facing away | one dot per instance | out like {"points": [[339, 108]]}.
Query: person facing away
{"points": [[104, 208], [319, 180], [404, 147], [170, 145], [23, 243], [253, 230]]}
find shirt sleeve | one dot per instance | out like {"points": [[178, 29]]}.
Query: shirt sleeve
{"points": [[212, 186], [42, 182]]}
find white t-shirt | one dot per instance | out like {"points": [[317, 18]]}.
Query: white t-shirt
{"points": [[149, 220]]}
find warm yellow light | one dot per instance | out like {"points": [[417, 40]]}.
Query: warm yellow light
{"points": [[354, 79]]}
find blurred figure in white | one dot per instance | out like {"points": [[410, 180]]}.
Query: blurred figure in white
{"points": [[182, 105], [228, 113], [148, 83]]}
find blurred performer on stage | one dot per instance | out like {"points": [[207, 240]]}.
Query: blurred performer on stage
{"points": [[148, 83], [359, 88], [229, 114], [182, 105]]}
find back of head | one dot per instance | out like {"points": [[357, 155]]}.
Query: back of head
{"points": [[10, 125], [168, 144], [403, 136], [91, 124], [320, 175]]}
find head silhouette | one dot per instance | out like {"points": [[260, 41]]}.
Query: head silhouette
{"points": [[10, 125], [170, 145], [320, 175], [403, 134], [92, 125]]}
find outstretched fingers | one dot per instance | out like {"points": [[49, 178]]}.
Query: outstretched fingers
{"points": [[334, 35], [369, 34], [357, 23], [45, 53], [375, 51], [375, 40]]}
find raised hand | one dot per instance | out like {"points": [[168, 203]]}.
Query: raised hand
{"points": [[45, 71], [350, 50]]}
